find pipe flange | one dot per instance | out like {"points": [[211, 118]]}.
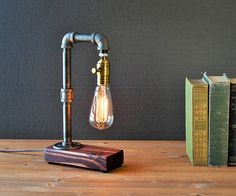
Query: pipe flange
{"points": [[67, 146]]}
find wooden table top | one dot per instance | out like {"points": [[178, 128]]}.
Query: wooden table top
{"points": [[150, 168]]}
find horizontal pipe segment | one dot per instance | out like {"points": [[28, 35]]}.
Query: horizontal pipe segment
{"points": [[96, 38]]}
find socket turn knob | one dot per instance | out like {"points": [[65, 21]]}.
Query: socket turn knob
{"points": [[95, 70]]}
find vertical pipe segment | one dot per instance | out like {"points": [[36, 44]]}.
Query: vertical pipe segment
{"points": [[67, 96]]}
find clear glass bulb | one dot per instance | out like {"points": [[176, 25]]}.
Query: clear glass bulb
{"points": [[101, 114]]}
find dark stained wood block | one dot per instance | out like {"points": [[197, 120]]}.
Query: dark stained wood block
{"points": [[91, 157]]}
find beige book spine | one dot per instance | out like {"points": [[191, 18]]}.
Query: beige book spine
{"points": [[200, 125]]}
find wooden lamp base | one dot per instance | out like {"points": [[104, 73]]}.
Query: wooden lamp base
{"points": [[91, 157]]}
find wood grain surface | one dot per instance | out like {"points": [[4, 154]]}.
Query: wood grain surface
{"points": [[150, 168]]}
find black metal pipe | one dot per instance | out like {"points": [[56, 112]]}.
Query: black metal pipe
{"points": [[66, 68], [67, 139]]}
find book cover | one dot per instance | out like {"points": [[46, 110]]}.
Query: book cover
{"points": [[219, 96], [196, 121], [232, 123]]}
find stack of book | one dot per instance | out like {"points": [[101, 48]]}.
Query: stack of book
{"points": [[210, 120]]}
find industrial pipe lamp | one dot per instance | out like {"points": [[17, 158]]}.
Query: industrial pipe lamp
{"points": [[101, 116]]}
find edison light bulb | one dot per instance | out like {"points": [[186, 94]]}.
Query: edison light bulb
{"points": [[101, 114]]}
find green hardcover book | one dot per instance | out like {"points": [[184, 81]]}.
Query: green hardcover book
{"points": [[196, 121], [219, 96], [232, 124]]}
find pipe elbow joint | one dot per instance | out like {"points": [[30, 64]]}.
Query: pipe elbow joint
{"points": [[101, 41], [68, 40]]}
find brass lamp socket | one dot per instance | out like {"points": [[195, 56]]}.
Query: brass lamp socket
{"points": [[103, 71]]}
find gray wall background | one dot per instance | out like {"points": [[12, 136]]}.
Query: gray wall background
{"points": [[154, 46]]}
